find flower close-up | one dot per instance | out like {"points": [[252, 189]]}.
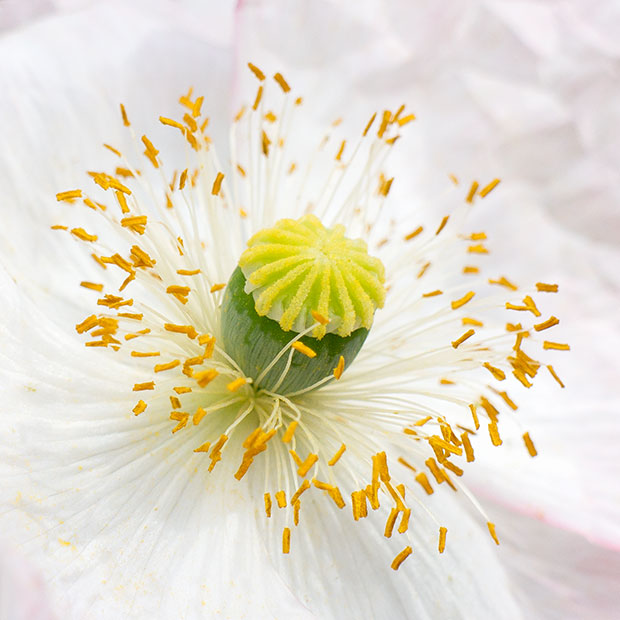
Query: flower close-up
{"points": [[293, 325]]}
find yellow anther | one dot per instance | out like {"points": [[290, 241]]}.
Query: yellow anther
{"points": [[69, 195], [339, 368], [442, 539], [491, 527], [166, 366], [290, 431], [337, 456], [414, 233], [472, 192], [302, 348], [529, 444], [139, 408], [217, 184], [233, 386], [286, 540], [148, 385], [488, 188], [267, 499], [459, 341], [547, 345], [401, 557], [541, 287], [498, 373], [462, 301]]}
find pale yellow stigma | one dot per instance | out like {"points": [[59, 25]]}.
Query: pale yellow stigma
{"points": [[299, 270]]}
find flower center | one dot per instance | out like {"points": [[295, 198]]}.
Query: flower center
{"points": [[303, 278]]}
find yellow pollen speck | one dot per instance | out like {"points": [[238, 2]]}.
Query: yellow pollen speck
{"points": [[491, 527], [470, 321], [442, 539], [203, 448], [145, 353], [302, 348], [469, 451], [188, 272], [59, 227], [433, 293], [401, 557], [233, 386], [217, 287], [339, 368], [470, 269]]}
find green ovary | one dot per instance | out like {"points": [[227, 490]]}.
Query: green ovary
{"points": [[292, 277]]}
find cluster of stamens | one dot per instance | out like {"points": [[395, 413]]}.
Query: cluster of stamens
{"points": [[201, 380]]}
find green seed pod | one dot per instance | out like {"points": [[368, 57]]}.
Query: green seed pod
{"points": [[300, 277]]}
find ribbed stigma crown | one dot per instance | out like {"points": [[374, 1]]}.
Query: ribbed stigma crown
{"points": [[299, 267]]}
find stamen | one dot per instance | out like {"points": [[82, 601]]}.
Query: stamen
{"points": [[468, 334], [401, 557], [491, 527], [442, 539], [529, 444], [337, 456]]}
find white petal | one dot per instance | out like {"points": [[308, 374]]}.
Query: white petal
{"points": [[584, 584], [64, 105]]}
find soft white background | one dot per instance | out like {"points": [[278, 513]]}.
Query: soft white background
{"points": [[527, 91]]}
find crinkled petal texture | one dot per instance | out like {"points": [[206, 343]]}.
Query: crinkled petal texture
{"points": [[120, 514], [524, 91], [124, 520]]}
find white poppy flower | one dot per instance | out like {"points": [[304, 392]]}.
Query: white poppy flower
{"points": [[188, 464]]}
